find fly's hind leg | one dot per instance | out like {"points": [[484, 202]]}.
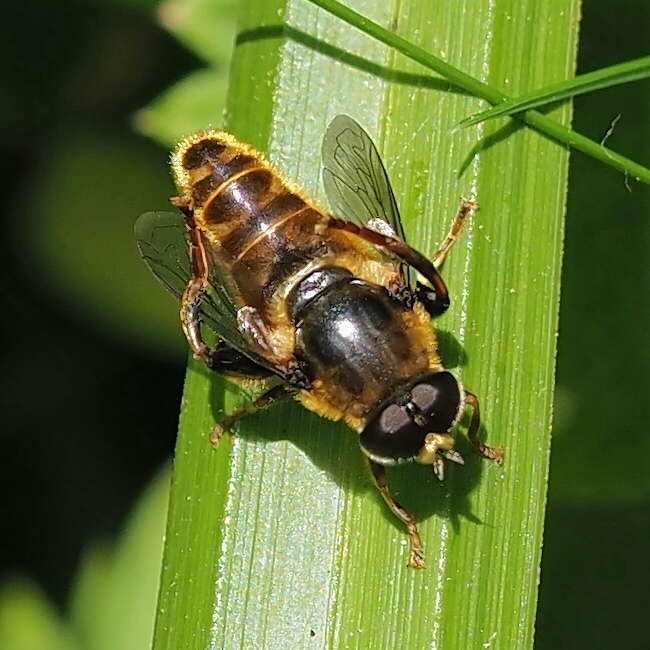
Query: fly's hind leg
{"points": [[265, 400], [493, 453], [434, 298], [464, 209], [191, 320], [416, 559], [196, 286]]}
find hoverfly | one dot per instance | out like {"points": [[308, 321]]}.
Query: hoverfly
{"points": [[326, 305]]}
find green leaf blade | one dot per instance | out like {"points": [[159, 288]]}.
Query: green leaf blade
{"points": [[278, 539]]}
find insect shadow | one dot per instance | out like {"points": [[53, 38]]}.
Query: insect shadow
{"points": [[495, 137], [352, 60], [488, 141], [334, 449]]}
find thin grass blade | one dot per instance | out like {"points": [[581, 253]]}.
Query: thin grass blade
{"points": [[584, 83], [472, 84]]}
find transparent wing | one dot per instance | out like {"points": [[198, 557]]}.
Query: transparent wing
{"points": [[162, 241], [355, 179]]}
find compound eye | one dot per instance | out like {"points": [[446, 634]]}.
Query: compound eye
{"points": [[392, 419], [392, 435], [438, 398], [424, 396]]}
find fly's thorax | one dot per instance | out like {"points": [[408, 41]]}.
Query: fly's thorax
{"points": [[355, 339]]}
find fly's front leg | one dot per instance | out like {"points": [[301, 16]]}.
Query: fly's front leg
{"points": [[263, 401], [464, 209], [416, 559], [493, 453]]}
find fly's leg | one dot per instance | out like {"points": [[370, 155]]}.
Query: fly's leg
{"points": [[493, 453], [436, 297], [272, 396], [220, 358], [424, 294], [250, 322], [196, 287], [191, 321], [416, 559], [293, 371], [464, 209]]}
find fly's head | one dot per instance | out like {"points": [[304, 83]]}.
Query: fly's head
{"points": [[413, 423]]}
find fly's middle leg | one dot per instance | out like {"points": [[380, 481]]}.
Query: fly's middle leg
{"points": [[265, 400], [291, 370]]}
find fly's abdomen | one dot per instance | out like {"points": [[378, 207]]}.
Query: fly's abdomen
{"points": [[262, 229]]}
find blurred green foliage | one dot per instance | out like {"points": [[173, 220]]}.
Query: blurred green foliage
{"points": [[193, 22], [112, 604], [78, 233], [28, 621], [601, 447], [198, 100], [190, 105], [88, 176], [91, 183]]}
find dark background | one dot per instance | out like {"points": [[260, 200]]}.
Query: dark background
{"points": [[89, 406], [91, 392]]}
